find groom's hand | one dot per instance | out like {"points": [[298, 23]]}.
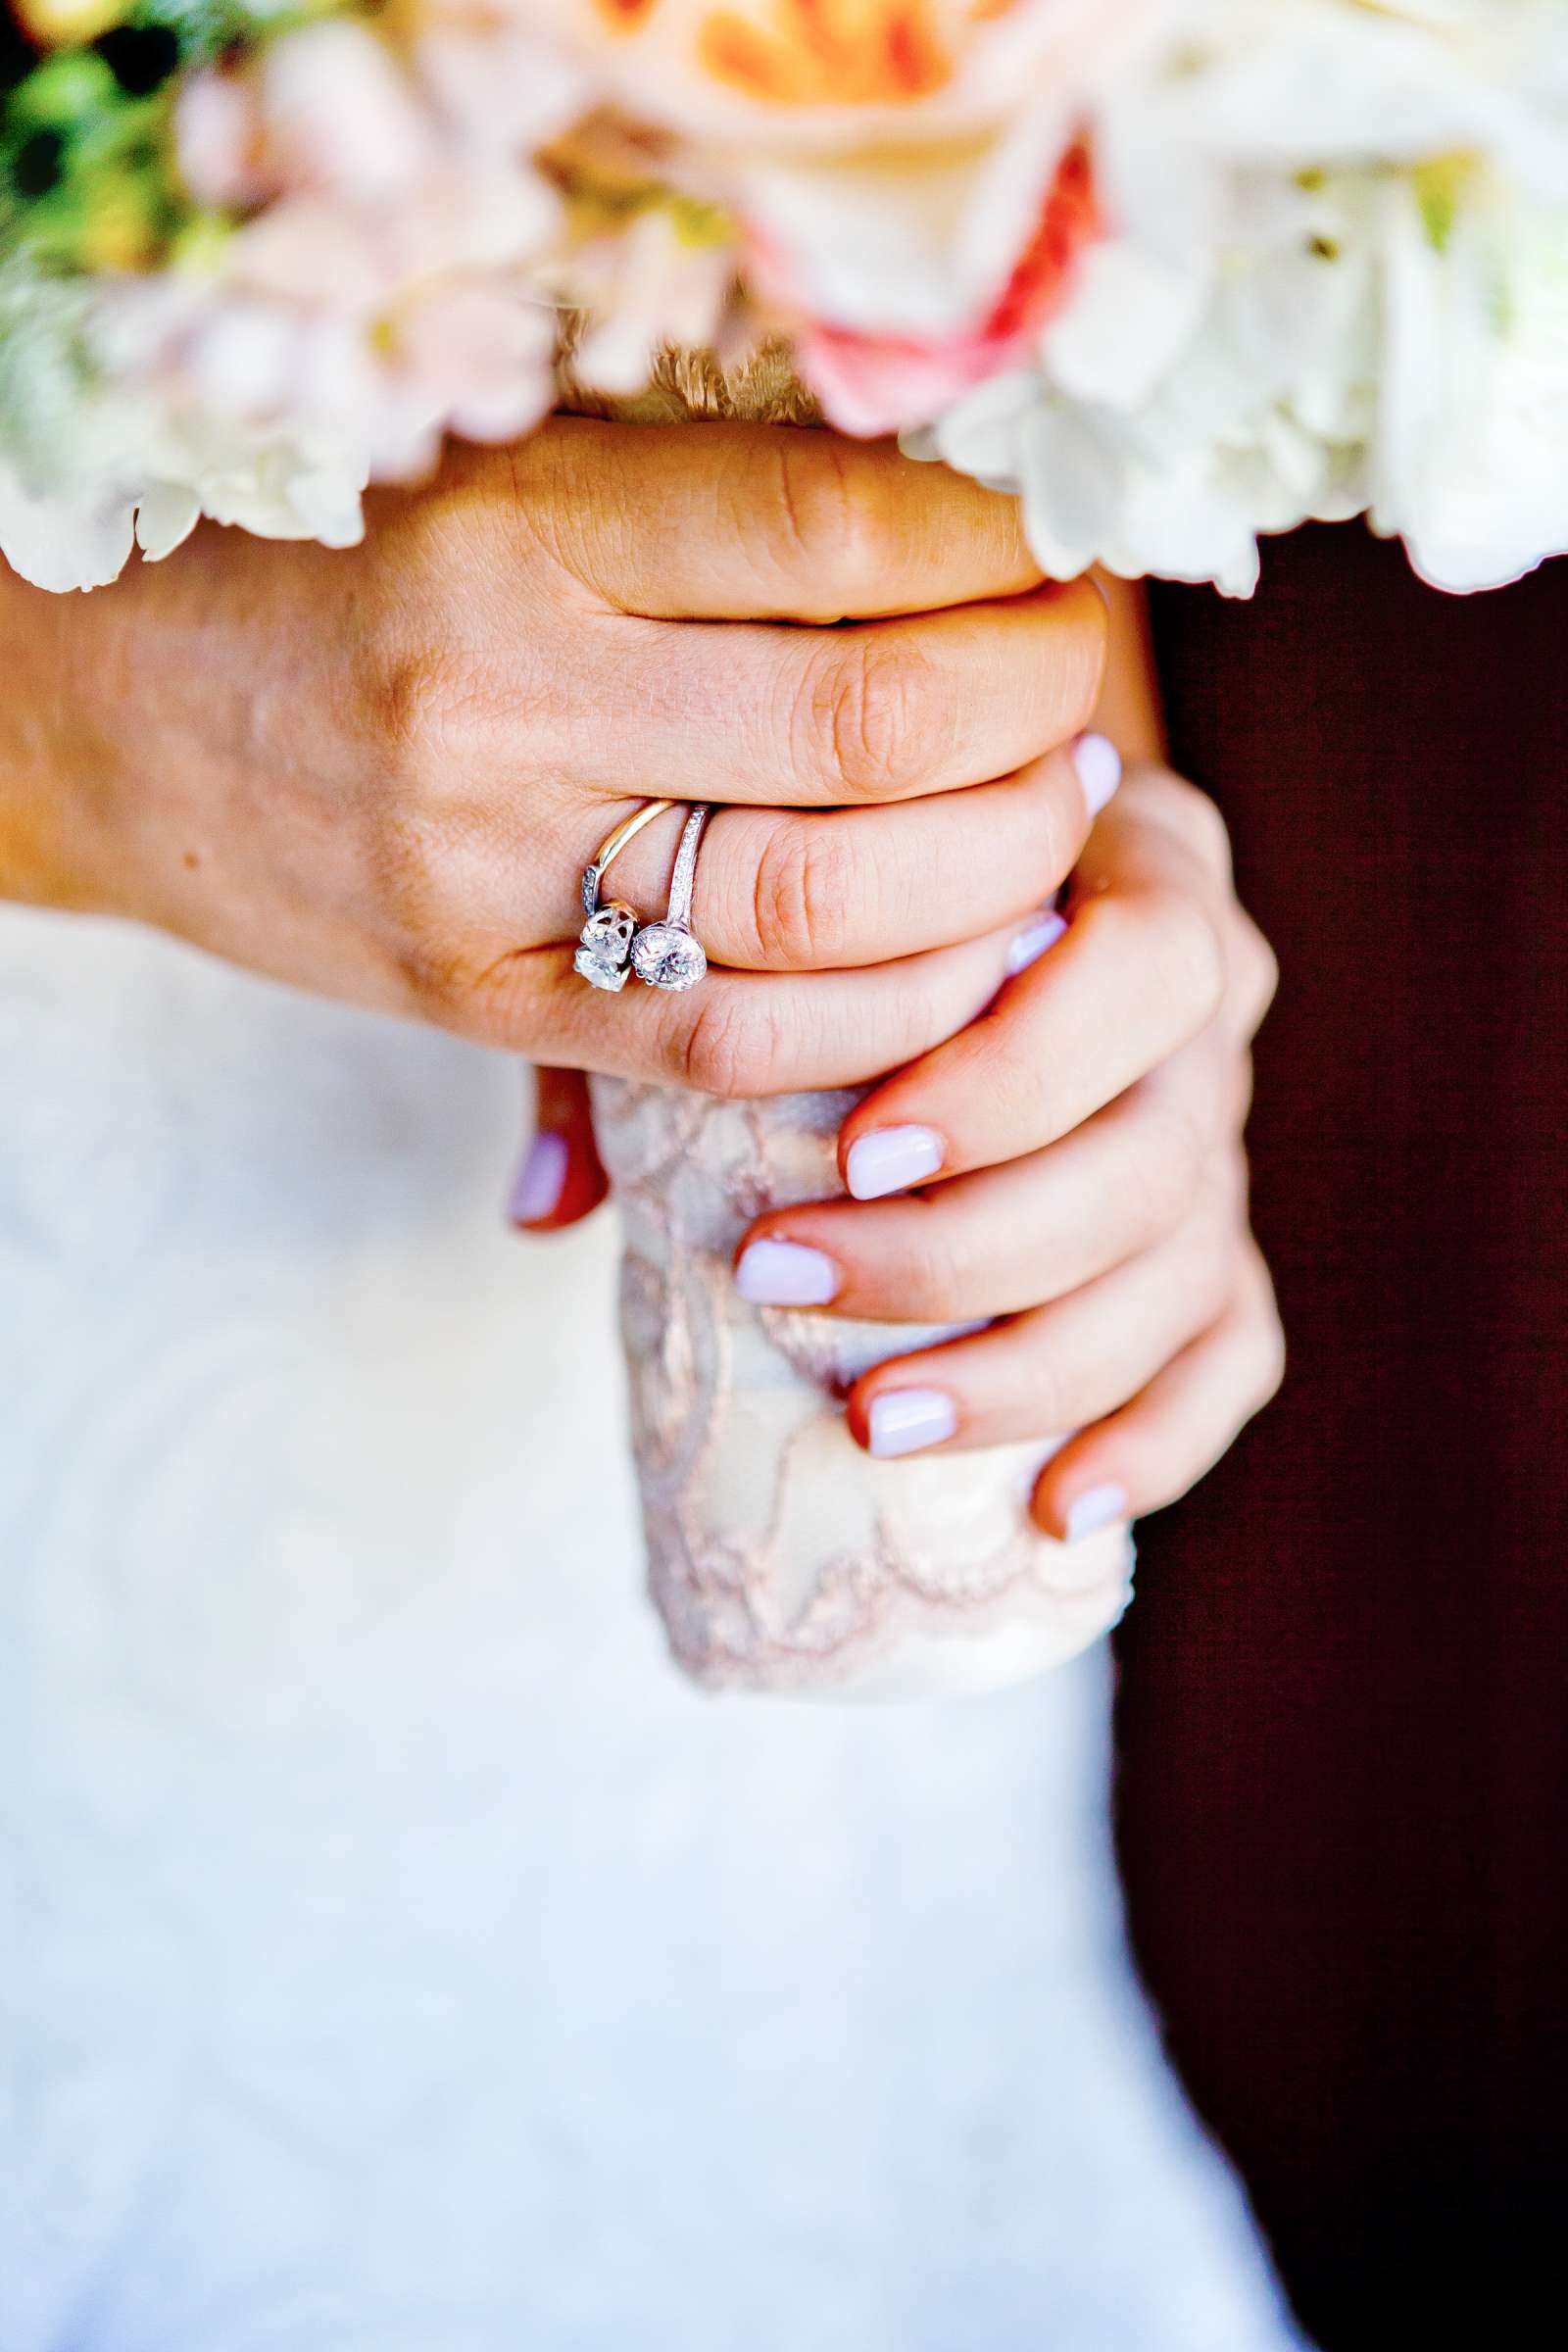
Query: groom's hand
{"points": [[379, 774]]}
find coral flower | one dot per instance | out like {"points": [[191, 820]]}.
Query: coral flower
{"points": [[883, 383]]}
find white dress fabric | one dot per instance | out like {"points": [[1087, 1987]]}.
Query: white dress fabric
{"points": [[396, 1954]]}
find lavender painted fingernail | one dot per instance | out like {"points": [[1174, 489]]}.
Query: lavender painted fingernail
{"points": [[1095, 1508], [1033, 941], [541, 1180], [1099, 765], [890, 1159], [903, 1420], [785, 1274]]}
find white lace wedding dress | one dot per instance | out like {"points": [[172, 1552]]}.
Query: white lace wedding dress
{"points": [[398, 1955]]}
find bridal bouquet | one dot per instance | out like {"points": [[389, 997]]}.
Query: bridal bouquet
{"points": [[1176, 272]]}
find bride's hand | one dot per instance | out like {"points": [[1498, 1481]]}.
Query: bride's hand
{"points": [[1072, 1163], [379, 774]]}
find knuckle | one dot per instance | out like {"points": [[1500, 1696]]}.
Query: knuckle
{"points": [[1238, 1104], [404, 871], [1186, 814], [727, 1049], [1259, 973], [943, 1269], [1272, 1364], [1186, 961], [1214, 1271], [1064, 1398], [1269, 1346], [1114, 926], [487, 1002], [1197, 820], [1167, 1169], [1081, 651], [422, 706], [434, 979], [819, 521], [475, 988], [873, 715], [1056, 825], [1230, 1177], [803, 881]]}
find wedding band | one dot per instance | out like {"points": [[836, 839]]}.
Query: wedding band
{"points": [[611, 846], [603, 947], [666, 954]]}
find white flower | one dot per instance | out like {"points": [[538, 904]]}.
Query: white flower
{"points": [[1282, 327], [1182, 407], [384, 295], [149, 487], [126, 470], [1470, 455]]}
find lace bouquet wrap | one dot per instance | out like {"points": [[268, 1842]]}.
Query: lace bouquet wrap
{"points": [[1175, 272], [780, 1556]]}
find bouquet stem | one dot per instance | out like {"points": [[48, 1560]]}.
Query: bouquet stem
{"points": [[780, 1556]]}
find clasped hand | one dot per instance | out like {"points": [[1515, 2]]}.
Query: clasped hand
{"points": [[379, 774]]}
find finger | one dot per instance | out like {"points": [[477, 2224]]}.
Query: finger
{"points": [[737, 1034], [1057, 1367], [761, 523], [781, 889], [1006, 1238], [1177, 1428], [1197, 833], [789, 717], [560, 1179], [1252, 976], [1139, 972]]}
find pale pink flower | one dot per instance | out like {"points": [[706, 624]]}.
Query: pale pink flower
{"points": [[491, 82], [217, 139], [339, 112], [388, 284], [872, 383]]}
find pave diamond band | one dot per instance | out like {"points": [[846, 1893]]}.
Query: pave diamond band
{"points": [[667, 955]]}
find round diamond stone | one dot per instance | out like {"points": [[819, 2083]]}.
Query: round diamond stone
{"points": [[599, 972], [667, 956]]}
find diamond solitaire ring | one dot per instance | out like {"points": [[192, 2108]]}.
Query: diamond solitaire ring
{"points": [[604, 942], [666, 954]]}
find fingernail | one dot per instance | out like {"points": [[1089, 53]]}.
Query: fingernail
{"points": [[785, 1274], [1033, 941], [1095, 1508], [541, 1180], [903, 1420], [890, 1159], [1099, 765]]}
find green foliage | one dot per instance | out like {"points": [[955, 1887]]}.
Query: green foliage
{"points": [[88, 174], [86, 170]]}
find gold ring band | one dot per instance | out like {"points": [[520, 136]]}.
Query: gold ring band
{"points": [[628, 830]]}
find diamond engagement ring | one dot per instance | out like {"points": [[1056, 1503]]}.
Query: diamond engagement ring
{"points": [[604, 951], [666, 954]]}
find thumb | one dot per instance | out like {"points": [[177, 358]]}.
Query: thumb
{"points": [[561, 1181]]}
